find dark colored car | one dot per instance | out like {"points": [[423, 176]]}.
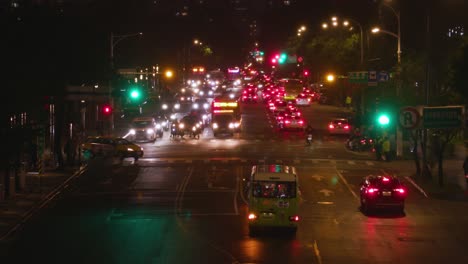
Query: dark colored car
{"points": [[382, 192], [162, 123]]}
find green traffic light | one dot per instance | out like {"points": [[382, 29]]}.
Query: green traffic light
{"points": [[383, 120], [134, 94], [282, 58]]}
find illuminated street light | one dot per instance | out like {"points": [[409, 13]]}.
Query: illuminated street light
{"points": [[334, 23], [330, 78], [195, 41], [169, 74], [375, 30], [334, 18], [303, 28], [345, 23], [325, 25], [298, 34]]}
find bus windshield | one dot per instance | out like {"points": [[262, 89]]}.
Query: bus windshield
{"points": [[267, 189]]}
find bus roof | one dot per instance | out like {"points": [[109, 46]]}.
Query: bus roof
{"points": [[274, 172]]}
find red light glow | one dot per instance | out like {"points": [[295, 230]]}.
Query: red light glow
{"points": [[331, 126]]}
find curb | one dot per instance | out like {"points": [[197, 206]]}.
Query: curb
{"points": [[42, 203]]}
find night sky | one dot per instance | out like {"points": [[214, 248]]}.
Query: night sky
{"points": [[70, 42]]}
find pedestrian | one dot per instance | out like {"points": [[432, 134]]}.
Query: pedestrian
{"points": [[348, 101], [378, 148], [386, 148]]}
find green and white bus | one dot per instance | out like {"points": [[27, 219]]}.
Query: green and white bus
{"points": [[274, 196]]}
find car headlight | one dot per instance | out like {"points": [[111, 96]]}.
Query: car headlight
{"points": [[177, 106], [132, 132], [205, 106], [194, 128], [215, 126], [181, 125], [149, 131], [231, 96], [129, 149], [164, 123], [173, 116], [210, 92], [204, 117], [198, 125], [231, 125], [201, 93], [195, 106], [237, 124], [158, 126], [164, 106]]}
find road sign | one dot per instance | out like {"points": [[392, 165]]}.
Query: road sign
{"points": [[383, 76], [443, 117], [409, 117], [358, 77]]}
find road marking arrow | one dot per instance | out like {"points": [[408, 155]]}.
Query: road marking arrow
{"points": [[326, 192], [317, 177]]}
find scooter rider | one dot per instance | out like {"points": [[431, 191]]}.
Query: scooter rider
{"points": [[308, 131]]}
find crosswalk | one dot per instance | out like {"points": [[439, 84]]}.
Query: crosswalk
{"points": [[241, 161]]}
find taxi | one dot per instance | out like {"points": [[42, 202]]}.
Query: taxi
{"points": [[111, 146]]}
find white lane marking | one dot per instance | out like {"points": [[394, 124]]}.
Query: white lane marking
{"points": [[416, 186], [350, 162], [325, 203], [317, 252], [236, 210], [347, 185]]}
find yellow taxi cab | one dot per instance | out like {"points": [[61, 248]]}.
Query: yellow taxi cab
{"points": [[111, 146]]}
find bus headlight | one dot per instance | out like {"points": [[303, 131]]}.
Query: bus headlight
{"points": [[149, 131]]}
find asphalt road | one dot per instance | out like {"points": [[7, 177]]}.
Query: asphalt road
{"points": [[184, 202]]}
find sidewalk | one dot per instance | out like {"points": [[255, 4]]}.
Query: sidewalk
{"points": [[18, 208]]}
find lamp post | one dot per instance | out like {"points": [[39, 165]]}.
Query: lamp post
{"points": [[334, 23], [114, 40], [398, 35]]}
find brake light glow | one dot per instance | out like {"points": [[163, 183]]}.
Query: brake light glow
{"points": [[400, 190], [294, 218], [331, 126], [301, 122], [346, 127], [372, 190], [287, 121], [385, 179]]}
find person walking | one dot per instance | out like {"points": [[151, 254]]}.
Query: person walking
{"points": [[386, 148]]}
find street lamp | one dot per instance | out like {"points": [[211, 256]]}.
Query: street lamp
{"points": [[346, 23], [376, 30], [398, 34]]}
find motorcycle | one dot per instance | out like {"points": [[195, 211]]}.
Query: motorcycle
{"points": [[361, 143], [309, 139]]}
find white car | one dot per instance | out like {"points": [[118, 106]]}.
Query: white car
{"points": [[303, 100]]}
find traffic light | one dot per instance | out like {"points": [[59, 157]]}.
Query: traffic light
{"points": [[282, 58], [306, 73], [135, 93], [383, 119], [106, 110]]}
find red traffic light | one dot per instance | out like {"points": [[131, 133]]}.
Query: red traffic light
{"points": [[106, 109], [306, 73]]}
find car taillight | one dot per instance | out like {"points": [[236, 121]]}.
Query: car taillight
{"points": [[252, 216], [287, 121], [400, 190], [372, 190], [294, 218], [255, 97], [301, 122], [385, 179], [346, 127], [331, 126]]}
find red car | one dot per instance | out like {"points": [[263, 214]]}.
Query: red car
{"points": [[382, 192]]}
